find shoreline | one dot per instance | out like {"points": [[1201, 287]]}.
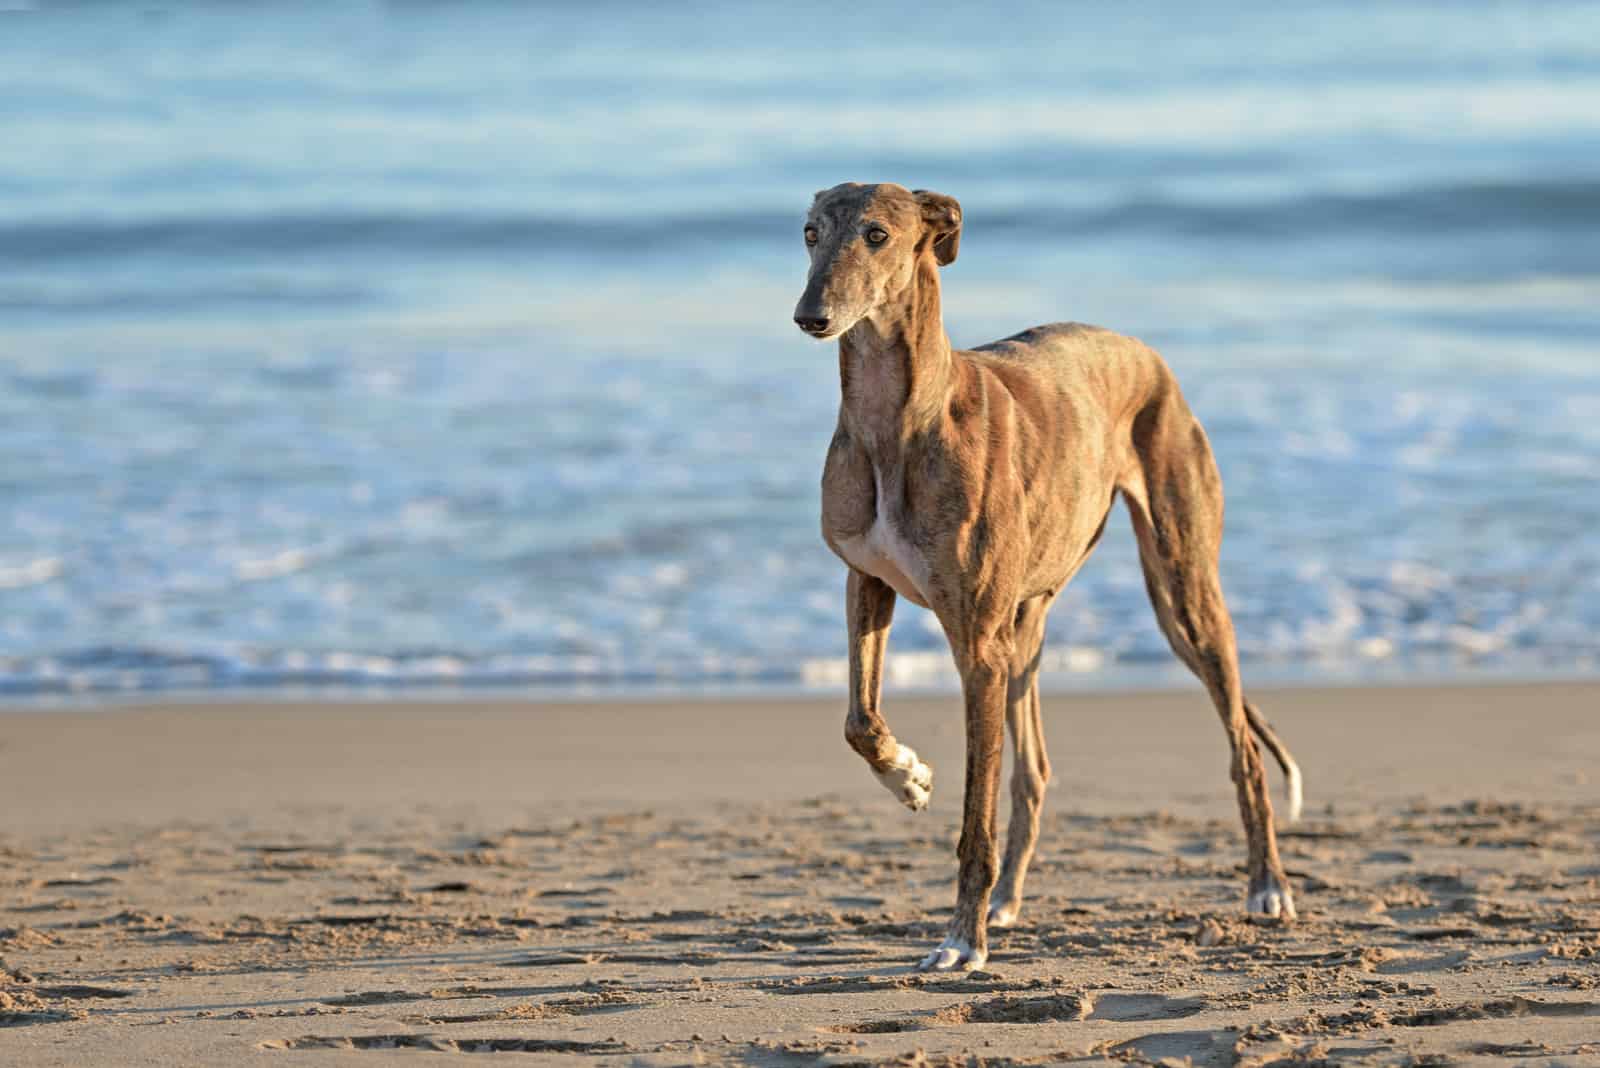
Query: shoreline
{"points": [[1160, 678]]}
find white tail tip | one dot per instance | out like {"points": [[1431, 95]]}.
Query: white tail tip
{"points": [[1294, 790]]}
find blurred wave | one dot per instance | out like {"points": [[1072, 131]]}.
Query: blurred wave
{"points": [[1537, 205]]}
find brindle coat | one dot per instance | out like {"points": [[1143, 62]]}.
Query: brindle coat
{"points": [[976, 483]]}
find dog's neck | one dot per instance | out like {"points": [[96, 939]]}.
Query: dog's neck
{"points": [[895, 365]]}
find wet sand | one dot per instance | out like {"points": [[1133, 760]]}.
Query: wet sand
{"points": [[722, 882]]}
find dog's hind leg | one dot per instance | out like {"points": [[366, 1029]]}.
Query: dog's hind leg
{"points": [[869, 604], [1030, 768], [1175, 499]]}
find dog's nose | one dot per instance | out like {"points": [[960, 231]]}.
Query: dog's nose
{"points": [[812, 324]]}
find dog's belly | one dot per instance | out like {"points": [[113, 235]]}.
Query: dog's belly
{"points": [[882, 553]]}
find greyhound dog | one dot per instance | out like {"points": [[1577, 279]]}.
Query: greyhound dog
{"points": [[975, 484]]}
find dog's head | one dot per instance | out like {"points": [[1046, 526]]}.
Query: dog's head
{"points": [[865, 243]]}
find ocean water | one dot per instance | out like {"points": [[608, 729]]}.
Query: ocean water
{"points": [[408, 345]]}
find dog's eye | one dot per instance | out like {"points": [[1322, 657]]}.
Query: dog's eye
{"points": [[811, 235], [877, 235]]}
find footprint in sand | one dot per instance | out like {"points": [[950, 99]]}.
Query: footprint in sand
{"points": [[1127, 1007], [1088, 1006], [1007, 1009], [1204, 1049], [440, 1044], [874, 1027]]}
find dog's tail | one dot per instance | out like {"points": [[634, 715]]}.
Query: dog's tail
{"points": [[1291, 770]]}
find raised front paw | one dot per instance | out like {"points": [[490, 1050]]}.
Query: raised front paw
{"points": [[908, 778], [953, 954], [1271, 899]]}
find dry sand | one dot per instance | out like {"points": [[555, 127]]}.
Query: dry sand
{"points": [[723, 882]]}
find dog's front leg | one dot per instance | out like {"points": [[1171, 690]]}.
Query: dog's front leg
{"points": [[869, 603], [985, 674]]}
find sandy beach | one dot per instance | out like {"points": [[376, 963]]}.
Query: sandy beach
{"points": [[722, 882]]}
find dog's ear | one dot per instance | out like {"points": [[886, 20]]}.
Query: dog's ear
{"points": [[942, 216]]}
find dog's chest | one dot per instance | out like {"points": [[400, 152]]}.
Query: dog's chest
{"points": [[884, 552]]}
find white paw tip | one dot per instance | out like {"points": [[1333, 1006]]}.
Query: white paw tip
{"points": [[1275, 902], [908, 778], [1296, 792], [952, 953]]}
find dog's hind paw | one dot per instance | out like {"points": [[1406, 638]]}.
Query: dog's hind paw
{"points": [[908, 778], [951, 954], [1272, 901]]}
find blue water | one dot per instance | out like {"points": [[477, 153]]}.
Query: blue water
{"points": [[414, 344]]}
